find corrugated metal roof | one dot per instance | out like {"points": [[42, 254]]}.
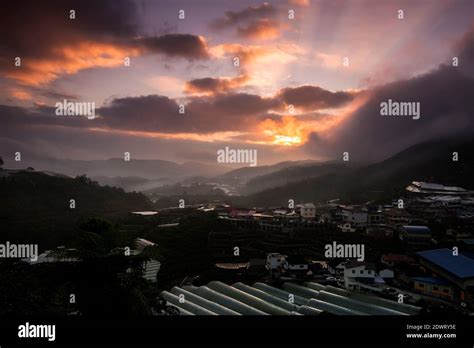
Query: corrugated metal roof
{"points": [[296, 299], [460, 265], [431, 280]]}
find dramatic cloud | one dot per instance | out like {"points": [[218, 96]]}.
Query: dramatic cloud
{"points": [[313, 97], [234, 112], [102, 34], [177, 45], [190, 63], [254, 22], [262, 29], [250, 13], [210, 85], [445, 96]]}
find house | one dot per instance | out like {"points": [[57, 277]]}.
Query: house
{"points": [[415, 238], [396, 217], [276, 264], [355, 215], [375, 217], [360, 275], [307, 211], [293, 265], [433, 286]]}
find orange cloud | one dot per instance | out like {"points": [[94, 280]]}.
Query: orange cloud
{"points": [[303, 3], [263, 29], [295, 130], [20, 94], [246, 54], [69, 60]]}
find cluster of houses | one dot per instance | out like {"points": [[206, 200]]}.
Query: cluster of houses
{"points": [[434, 264]]}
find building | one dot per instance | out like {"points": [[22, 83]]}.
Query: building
{"points": [[396, 259], [420, 187], [307, 211], [141, 244], [296, 266], [433, 286], [217, 298], [151, 267], [375, 217], [359, 275], [276, 264], [456, 269], [355, 215], [396, 217], [415, 238]]}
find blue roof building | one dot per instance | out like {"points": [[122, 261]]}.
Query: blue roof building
{"points": [[457, 269]]}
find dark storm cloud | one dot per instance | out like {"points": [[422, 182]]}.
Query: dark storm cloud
{"points": [[445, 96], [314, 97], [203, 115], [102, 33], [177, 45], [34, 28]]}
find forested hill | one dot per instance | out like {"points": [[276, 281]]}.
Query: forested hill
{"points": [[35, 207]]}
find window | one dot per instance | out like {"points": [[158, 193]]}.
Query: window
{"points": [[361, 271], [353, 271]]}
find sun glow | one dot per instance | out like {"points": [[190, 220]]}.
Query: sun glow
{"points": [[288, 132]]}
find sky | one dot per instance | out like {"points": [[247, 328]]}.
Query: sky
{"points": [[308, 84]]}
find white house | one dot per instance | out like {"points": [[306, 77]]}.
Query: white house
{"points": [[355, 215], [358, 275]]}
